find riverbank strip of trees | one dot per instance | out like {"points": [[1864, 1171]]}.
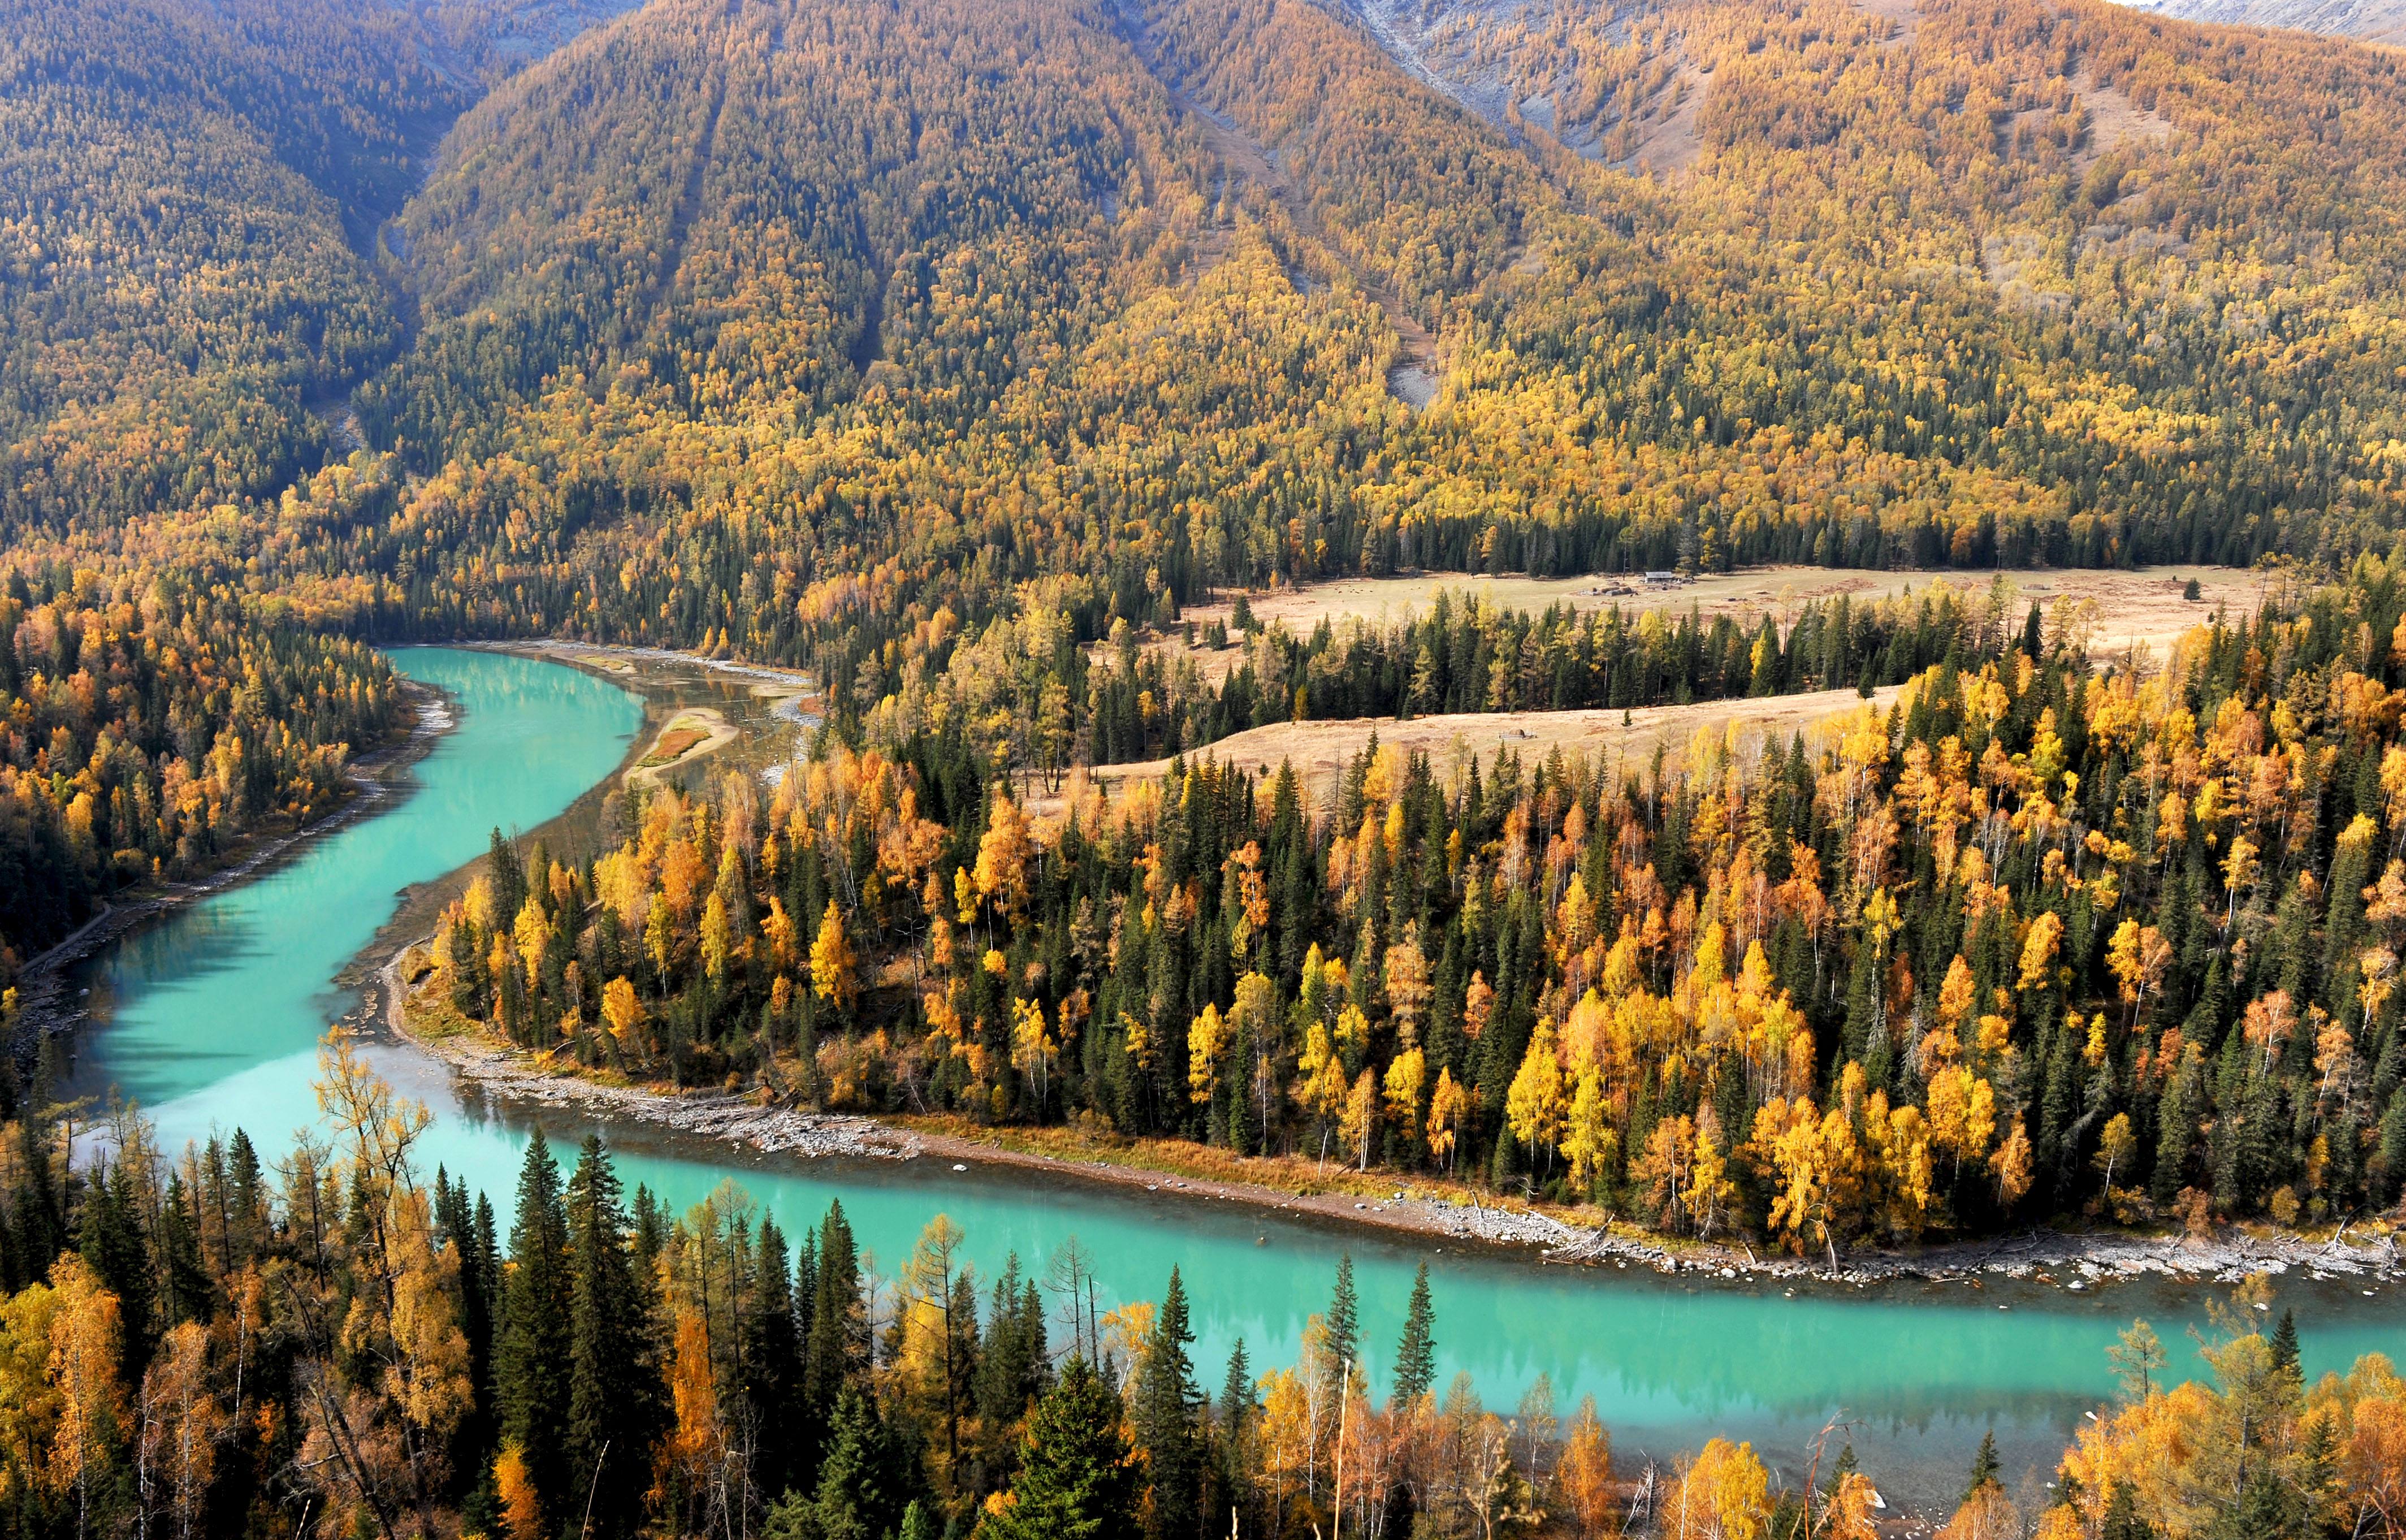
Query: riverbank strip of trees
{"points": [[213, 1344]]}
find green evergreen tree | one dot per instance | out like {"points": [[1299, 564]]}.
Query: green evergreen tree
{"points": [[1239, 1413], [1344, 1316], [2123, 1521], [2284, 1348], [616, 1408], [1075, 1479], [833, 1351], [508, 877], [2269, 1508], [1011, 1366], [532, 1348], [110, 1237], [456, 1221], [1166, 1419], [1845, 1465], [1416, 1353], [1985, 1467], [773, 1360], [864, 1484]]}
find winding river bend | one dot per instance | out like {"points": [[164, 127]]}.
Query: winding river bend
{"points": [[210, 1021]]}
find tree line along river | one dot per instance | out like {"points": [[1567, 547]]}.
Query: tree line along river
{"points": [[210, 1020]]}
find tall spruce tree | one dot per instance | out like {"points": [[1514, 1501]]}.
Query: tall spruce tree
{"points": [[508, 878], [2286, 1353], [1010, 1364], [1985, 1467], [865, 1482], [615, 1411], [1239, 1413], [1416, 1353], [1075, 1479], [833, 1351], [1167, 1417], [2123, 1519], [112, 1240], [530, 1350], [772, 1363], [1344, 1318]]}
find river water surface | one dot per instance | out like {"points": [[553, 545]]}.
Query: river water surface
{"points": [[210, 1021]]}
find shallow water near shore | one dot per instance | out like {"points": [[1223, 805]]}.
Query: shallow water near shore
{"points": [[210, 1020]]}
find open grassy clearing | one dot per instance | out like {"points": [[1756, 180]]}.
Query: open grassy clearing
{"points": [[1319, 750], [2139, 605]]}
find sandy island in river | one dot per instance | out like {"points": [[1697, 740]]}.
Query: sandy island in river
{"points": [[692, 732]]}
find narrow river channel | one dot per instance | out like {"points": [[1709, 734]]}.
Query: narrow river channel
{"points": [[210, 1020]]}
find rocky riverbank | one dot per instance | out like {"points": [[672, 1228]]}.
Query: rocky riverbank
{"points": [[2074, 1261], [742, 1120], [2369, 1256]]}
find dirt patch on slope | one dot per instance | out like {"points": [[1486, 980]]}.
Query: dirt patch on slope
{"points": [[2114, 118], [1903, 15], [1667, 140]]}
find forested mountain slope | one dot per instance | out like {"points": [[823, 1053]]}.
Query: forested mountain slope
{"points": [[187, 198], [819, 333]]}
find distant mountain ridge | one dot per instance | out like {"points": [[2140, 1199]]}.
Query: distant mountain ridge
{"points": [[2367, 20], [784, 326]]}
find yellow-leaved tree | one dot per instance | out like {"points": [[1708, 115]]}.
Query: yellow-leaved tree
{"points": [[1722, 1494], [831, 962]]}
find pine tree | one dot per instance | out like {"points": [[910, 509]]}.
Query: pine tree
{"points": [[1985, 1467], [1075, 1479], [773, 1360], [1416, 1353], [531, 1354], [615, 1410], [455, 1221], [2284, 1348], [245, 1203], [830, 1354], [864, 1485], [1344, 1318], [508, 877], [182, 1272], [110, 1237], [2269, 1508], [1009, 1369], [1238, 1411], [1167, 1404]]}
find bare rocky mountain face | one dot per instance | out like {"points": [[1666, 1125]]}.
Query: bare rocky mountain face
{"points": [[2371, 21]]}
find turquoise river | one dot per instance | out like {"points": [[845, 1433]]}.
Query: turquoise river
{"points": [[210, 1020]]}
